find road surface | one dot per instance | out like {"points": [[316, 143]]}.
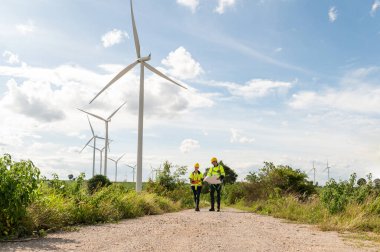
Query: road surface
{"points": [[229, 230]]}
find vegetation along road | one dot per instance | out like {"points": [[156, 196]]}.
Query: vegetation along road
{"points": [[229, 230]]}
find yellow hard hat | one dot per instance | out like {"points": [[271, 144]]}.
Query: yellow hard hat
{"points": [[214, 160], [196, 165]]}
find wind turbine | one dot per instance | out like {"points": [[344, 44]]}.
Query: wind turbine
{"points": [[313, 169], [116, 162], [328, 170], [133, 168], [143, 63], [101, 157], [106, 121], [94, 137]]}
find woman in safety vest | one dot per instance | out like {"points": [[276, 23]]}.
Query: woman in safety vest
{"points": [[216, 170], [196, 178]]}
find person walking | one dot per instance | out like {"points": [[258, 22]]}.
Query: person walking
{"points": [[196, 179], [216, 170]]}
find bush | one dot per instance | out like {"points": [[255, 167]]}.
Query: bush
{"points": [[335, 196], [97, 182], [274, 181], [19, 182]]}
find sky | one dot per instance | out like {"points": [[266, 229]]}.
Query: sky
{"points": [[284, 81]]}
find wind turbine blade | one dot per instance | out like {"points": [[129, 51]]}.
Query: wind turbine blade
{"points": [[154, 70], [91, 114], [109, 118], [112, 159], [98, 137], [87, 144], [92, 130], [135, 36], [120, 157], [118, 76]]}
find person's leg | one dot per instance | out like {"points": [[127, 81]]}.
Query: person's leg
{"points": [[218, 191], [212, 190], [199, 189], [195, 195]]}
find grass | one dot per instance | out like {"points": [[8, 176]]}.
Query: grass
{"points": [[359, 220]]}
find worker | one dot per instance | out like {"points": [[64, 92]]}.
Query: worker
{"points": [[215, 170], [196, 179]]}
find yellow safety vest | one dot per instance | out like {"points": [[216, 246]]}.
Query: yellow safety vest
{"points": [[196, 178], [217, 170]]}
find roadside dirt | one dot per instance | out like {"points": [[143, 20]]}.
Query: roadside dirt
{"points": [[229, 230]]}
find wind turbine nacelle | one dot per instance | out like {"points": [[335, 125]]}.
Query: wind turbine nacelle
{"points": [[147, 58]]}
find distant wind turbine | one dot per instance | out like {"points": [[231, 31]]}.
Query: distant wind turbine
{"points": [[93, 138], [328, 170], [101, 157], [313, 169], [106, 121], [133, 168], [116, 163], [143, 63]]}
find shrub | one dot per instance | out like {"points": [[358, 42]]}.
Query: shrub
{"points": [[273, 181], [97, 182], [19, 182]]}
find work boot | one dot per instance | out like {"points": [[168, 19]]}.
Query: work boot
{"points": [[212, 209], [197, 209], [218, 210]]}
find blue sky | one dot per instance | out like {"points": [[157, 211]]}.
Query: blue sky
{"points": [[287, 81]]}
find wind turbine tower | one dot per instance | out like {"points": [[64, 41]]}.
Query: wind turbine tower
{"points": [[328, 170], [106, 121], [143, 63], [116, 163], [93, 138]]}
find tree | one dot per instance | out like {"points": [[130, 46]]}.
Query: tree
{"points": [[231, 175], [361, 182], [70, 176]]}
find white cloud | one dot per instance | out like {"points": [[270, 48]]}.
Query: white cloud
{"points": [[182, 65], [238, 137], [278, 49], [32, 99], [192, 4], [26, 28], [333, 14], [189, 145], [11, 58], [113, 37], [256, 88], [359, 92], [361, 100], [375, 7], [223, 4]]}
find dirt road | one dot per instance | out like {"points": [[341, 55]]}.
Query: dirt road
{"points": [[229, 230]]}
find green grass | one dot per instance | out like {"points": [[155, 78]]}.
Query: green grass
{"points": [[357, 219]]}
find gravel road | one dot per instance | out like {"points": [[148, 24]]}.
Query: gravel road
{"points": [[229, 230]]}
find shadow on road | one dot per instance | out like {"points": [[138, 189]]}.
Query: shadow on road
{"points": [[41, 244]]}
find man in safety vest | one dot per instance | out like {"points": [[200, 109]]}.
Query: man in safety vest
{"points": [[196, 178], [215, 170]]}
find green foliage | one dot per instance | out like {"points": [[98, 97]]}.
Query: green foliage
{"points": [[231, 175], [97, 182], [19, 182], [172, 185], [361, 182], [233, 193], [335, 196], [275, 181]]}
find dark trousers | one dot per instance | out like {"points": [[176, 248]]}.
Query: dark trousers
{"points": [[216, 188], [197, 194]]}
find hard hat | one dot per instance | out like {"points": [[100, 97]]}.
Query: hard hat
{"points": [[196, 165], [214, 160]]}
